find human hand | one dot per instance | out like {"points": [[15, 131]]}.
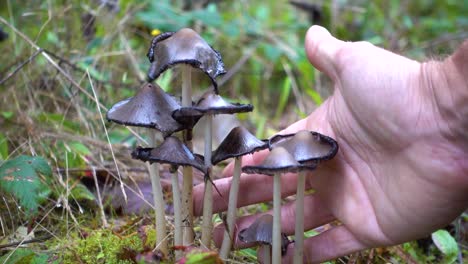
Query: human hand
{"points": [[401, 171]]}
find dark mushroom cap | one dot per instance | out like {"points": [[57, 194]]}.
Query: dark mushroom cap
{"points": [[209, 103], [261, 231], [237, 143], [306, 146], [171, 151], [184, 46], [150, 107], [278, 161]]}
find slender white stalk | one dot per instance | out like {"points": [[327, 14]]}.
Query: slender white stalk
{"points": [[187, 206], [299, 232], [177, 212], [187, 184], [232, 209], [266, 254], [158, 197], [207, 226], [276, 245], [186, 85]]}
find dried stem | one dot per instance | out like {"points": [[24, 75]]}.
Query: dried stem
{"points": [[98, 192]]}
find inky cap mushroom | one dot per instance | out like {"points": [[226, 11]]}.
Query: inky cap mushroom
{"points": [[209, 103], [171, 151], [278, 161], [184, 46], [261, 231], [306, 146], [150, 107], [237, 143]]}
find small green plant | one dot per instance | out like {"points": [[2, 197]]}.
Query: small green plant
{"points": [[446, 244], [27, 178]]}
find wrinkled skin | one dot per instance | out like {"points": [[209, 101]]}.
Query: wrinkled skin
{"points": [[402, 168]]}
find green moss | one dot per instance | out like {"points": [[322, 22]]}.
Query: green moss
{"points": [[103, 246], [150, 241]]}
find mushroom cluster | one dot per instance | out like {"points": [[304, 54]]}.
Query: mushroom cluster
{"points": [[171, 120], [163, 115], [299, 152]]}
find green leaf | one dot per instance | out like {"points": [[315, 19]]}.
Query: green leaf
{"points": [[260, 127], [79, 148], [310, 233], [59, 121], [80, 192], [272, 52], [52, 37], [248, 252], [262, 12], [208, 16], [202, 257], [25, 256], [446, 244], [3, 147], [314, 96], [84, 65], [18, 256], [7, 114], [162, 15], [21, 177]]}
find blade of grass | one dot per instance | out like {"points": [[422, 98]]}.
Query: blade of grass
{"points": [[107, 136], [284, 96]]}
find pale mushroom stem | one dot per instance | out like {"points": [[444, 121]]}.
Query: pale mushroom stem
{"points": [[186, 86], [276, 245], [299, 232], [187, 184], [208, 194], [232, 209], [266, 253], [187, 207], [158, 198], [177, 212]]}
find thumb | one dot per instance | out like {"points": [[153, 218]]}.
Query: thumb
{"points": [[321, 49]]}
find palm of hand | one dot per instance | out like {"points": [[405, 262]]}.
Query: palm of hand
{"points": [[400, 172], [393, 178]]}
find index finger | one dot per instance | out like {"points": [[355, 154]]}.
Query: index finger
{"points": [[256, 188]]}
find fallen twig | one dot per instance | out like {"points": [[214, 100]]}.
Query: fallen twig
{"points": [[18, 243]]}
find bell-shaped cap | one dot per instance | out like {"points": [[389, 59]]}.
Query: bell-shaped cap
{"points": [[209, 103], [184, 46], [237, 143], [261, 231], [278, 161], [150, 107], [306, 146], [171, 151]]}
